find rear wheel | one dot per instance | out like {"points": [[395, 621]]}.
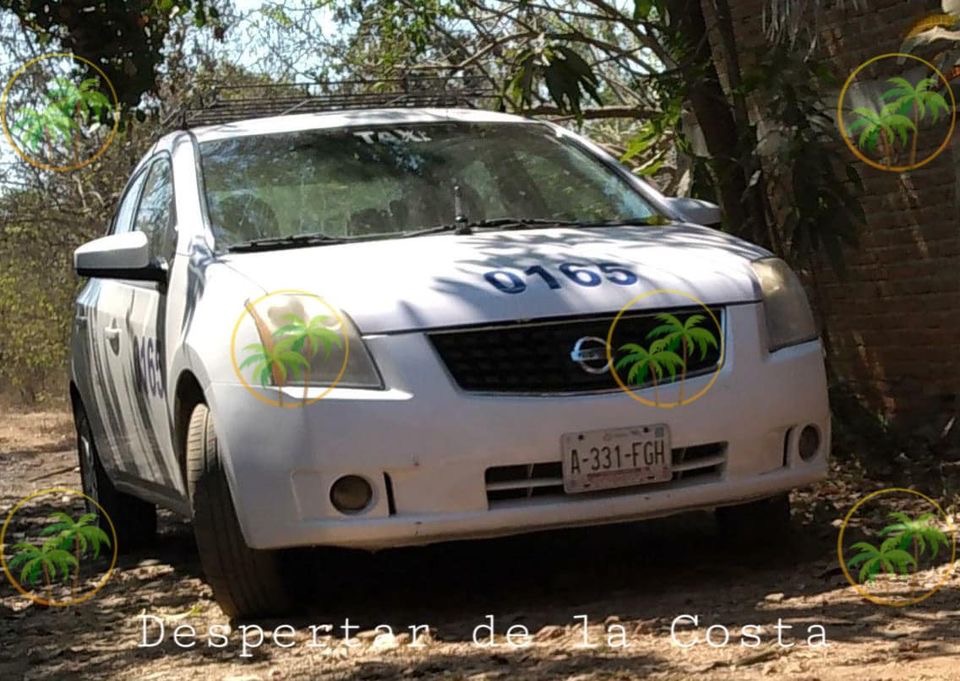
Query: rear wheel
{"points": [[245, 582], [756, 521], [134, 520]]}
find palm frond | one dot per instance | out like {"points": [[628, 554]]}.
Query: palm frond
{"points": [[96, 537]]}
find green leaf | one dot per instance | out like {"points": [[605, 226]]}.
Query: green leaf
{"points": [[869, 569], [857, 559], [585, 77], [31, 572], [265, 377], [252, 359], [642, 9]]}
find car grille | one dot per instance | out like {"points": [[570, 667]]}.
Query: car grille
{"points": [[701, 463], [536, 357]]}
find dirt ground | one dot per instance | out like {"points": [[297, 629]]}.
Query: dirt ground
{"points": [[630, 580]]}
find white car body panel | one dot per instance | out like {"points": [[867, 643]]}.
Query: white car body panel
{"points": [[430, 282], [442, 440], [433, 440]]}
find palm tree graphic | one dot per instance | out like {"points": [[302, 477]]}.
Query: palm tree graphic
{"points": [[266, 358], [686, 336], [884, 127], [673, 343], [68, 541], [274, 361], [892, 557], [308, 336], [888, 559], [287, 352], [67, 108], [81, 534], [920, 534], [917, 100], [42, 561], [655, 361]]}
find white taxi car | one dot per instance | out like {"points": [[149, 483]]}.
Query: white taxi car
{"points": [[391, 327]]}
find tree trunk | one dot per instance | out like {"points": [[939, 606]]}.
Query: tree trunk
{"points": [[916, 134], [683, 372], [47, 583], [714, 115], [267, 339], [76, 571], [306, 372], [755, 199], [73, 137], [887, 148]]}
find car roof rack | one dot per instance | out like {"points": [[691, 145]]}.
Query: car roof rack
{"points": [[220, 103]]}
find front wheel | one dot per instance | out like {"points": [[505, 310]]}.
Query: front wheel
{"points": [[245, 582]]}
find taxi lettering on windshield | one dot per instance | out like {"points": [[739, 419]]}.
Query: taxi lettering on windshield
{"points": [[577, 273], [392, 135]]}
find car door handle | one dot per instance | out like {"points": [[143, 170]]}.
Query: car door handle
{"points": [[111, 335]]}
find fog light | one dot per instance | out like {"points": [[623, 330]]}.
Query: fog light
{"points": [[809, 442], [351, 494]]}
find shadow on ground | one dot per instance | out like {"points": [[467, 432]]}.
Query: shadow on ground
{"points": [[640, 574]]}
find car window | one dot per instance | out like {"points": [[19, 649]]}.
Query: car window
{"points": [[124, 217], [391, 180], [589, 187], [477, 176], [155, 212]]}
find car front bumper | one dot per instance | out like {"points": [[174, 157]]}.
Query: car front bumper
{"points": [[425, 447]]}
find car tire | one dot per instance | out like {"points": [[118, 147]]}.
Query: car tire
{"points": [[246, 582], [134, 520], [756, 521]]}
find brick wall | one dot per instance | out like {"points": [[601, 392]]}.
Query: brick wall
{"points": [[894, 323]]}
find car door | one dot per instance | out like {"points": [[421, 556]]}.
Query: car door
{"points": [[100, 310], [149, 439]]}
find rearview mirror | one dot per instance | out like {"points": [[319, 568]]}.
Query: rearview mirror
{"points": [[696, 211], [119, 256]]}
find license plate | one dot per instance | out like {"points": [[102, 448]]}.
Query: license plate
{"points": [[604, 459]]}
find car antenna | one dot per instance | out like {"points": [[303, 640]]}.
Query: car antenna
{"points": [[459, 219]]}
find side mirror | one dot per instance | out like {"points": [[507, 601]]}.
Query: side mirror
{"points": [[119, 256], [696, 211]]}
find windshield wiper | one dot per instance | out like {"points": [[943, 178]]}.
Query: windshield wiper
{"points": [[626, 222], [292, 241], [496, 223], [525, 223]]}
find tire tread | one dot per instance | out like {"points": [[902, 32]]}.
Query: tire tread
{"points": [[245, 582]]}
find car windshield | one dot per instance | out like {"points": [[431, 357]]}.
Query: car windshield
{"points": [[390, 181]]}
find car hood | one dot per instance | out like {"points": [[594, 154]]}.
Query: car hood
{"points": [[443, 280]]}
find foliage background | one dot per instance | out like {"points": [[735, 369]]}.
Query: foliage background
{"points": [[662, 83]]}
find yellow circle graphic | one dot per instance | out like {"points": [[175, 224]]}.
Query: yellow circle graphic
{"points": [[859, 588], [48, 166], [250, 312], [845, 134], [28, 593], [632, 392]]}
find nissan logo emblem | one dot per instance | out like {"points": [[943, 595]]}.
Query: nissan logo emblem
{"points": [[590, 353]]}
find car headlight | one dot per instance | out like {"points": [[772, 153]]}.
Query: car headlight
{"points": [[786, 308], [305, 342]]}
